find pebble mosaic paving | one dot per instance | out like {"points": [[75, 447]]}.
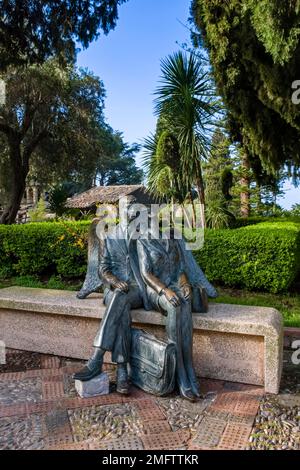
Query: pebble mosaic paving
{"points": [[39, 409]]}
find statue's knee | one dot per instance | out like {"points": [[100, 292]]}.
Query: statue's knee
{"points": [[119, 293], [173, 310], [120, 296]]}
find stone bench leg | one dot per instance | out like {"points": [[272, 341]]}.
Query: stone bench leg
{"points": [[273, 362]]}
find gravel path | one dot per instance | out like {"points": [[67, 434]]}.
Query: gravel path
{"points": [[19, 361], [182, 414], [277, 425], [104, 422]]}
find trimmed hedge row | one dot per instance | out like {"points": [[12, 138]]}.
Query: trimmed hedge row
{"points": [[38, 248], [240, 222], [258, 257]]}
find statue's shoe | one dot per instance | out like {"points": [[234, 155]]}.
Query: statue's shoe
{"points": [[123, 387], [122, 379], [196, 391], [82, 294], [194, 385], [188, 395], [87, 373]]}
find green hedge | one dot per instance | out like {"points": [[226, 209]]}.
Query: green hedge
{"points": [[38, 248], [240, 222], [258, 257], [263, 257]]}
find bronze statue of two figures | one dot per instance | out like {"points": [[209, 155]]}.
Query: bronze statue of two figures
{"points": [[155, 274]]}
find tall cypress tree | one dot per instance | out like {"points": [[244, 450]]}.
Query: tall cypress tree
{"points": [[218, 176], [254, 48]]}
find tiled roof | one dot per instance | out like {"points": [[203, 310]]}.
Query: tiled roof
{"points": [[106, 195]]}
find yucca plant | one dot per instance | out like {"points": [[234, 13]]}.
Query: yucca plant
{"points": [[186, 99], [217, 215], [162, 161]]}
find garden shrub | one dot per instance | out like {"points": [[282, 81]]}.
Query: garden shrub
{"points": [[37, 248], [264, 257], [244, 222]]}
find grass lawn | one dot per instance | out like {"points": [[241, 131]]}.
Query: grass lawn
{"points": [[54, 282], [287, 304]]}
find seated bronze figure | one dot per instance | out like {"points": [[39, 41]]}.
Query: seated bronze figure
{"points": [[169, 291], [124, 290], [155, 274]]}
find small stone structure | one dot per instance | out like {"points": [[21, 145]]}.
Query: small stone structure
{"points": [[93, 388], [32, 194], [89, 200], [29, 201], [231, 342]]}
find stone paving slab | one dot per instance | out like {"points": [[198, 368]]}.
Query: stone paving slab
{"points": [[235, 437], [210, 432], [177, 440], [237, 402], [20, 391], [156, 427], [22, 433], [39, 410], [105, 422], [126, 443]]}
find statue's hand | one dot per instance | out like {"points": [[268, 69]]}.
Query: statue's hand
{"points": [[172, 297], [121, 285], [186, 290]]}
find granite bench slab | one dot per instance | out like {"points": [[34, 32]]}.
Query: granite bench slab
{"points": [[231, 342]]}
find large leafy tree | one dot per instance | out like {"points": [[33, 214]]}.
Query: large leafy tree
{"points": [[118, 163], [31, 31], [106, 160], [50, 123], [113, 163], [254, 48]]}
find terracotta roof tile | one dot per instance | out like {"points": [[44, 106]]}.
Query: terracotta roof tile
{"points": [[108, 195]]}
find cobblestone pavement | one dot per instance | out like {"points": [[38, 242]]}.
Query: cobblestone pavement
{"points": [[39, 409]]}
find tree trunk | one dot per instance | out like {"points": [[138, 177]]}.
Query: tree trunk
{"points": [[245, 184], [274, 202], [259, 198], [201, 194], [193, 210], [18, 184]]}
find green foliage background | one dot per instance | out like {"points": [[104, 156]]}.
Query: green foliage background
{"points": [[263, 257], [254, 49], [39, 248]]}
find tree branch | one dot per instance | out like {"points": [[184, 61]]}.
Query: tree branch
{"points": [[28, 118], [6, 129], [30, 148]]}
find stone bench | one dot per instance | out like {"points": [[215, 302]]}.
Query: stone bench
{"points": [[231, 342]]}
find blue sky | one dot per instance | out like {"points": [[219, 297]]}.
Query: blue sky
{"points": [[128, 61]]}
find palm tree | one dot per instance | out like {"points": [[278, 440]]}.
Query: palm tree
{"points": [[187, 101], [162, 160]]}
